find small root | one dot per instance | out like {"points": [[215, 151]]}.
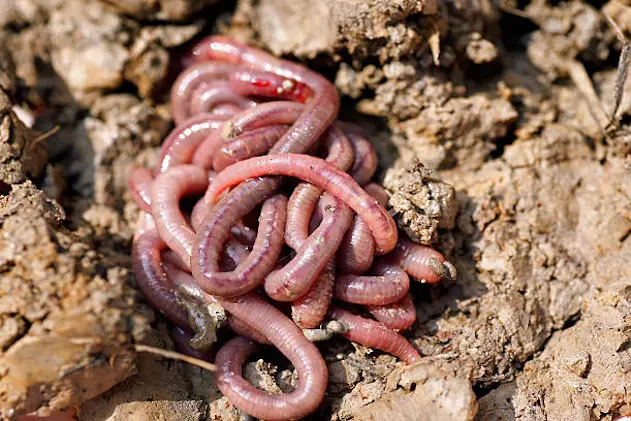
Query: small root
{"points": [[175, 356]]}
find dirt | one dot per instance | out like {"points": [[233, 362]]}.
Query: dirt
{"points": [[492, 127]]}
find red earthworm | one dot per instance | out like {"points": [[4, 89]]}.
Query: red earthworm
{"points": [[296, 278], [398, 316], [243, 329], [300, 208], [309, 310], [321, 109], [207, 96], [203, 155], [305, 196], [167, 191], [374, 335], [357, 250], [259, 262], [253, 143], [241, 201], [323, 175], [154, 281], [365, 163], [145, 223], [289, 340], [189, 80], [422, 262], [264, 84], [140, 181], [179, 147], [389, 285], [186, 282], [263, 115]]}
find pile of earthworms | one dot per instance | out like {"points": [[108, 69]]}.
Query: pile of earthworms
{"points": [[263, 203]]}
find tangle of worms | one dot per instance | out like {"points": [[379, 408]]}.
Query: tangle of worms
{"points": [[281, 208]]}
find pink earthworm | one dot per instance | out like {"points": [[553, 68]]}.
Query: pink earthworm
{"points": [[305, 196], [374, 335], [309, 310], [296, 278], [398, 316], [255, 83], [144, 224], [365, 163], [421, 262], [167, 191], [253, 143], [238, 203], [289, 340], [210, 95], [243, 329], [185, 281], [140, 181], [356, 252], [322, 107], [179, 147], [300, 208], [263, 257], [389, 285], [188, 82], [203, 155], [322, 174], [152, 279], [263, 115]]}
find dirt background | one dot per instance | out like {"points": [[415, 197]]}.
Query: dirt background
{"points": [[491, 122]]}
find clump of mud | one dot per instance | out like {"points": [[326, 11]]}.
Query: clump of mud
{"points": [[498, 145]]}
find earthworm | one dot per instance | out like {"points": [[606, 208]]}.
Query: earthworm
{"points": [[322, 174], [259, 262], [309, 310], [189, 80], [422, 262], [294, 279], [255, 83], [356, 252], [167, 191], [231, 106], [180, 145], [208, 96], [154, 281], [266, 114], [289, 340], [374, 335], [321, 109], [140, 181], [365, 158], [253, 143], [389, 285], [398, 316]]}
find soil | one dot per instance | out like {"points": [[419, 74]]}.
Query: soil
{"points": [[491, 122]]}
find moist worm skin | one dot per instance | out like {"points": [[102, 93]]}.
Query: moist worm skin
{"points": [[374, 335], [286, 337], [398, 316], [389, 285], [261, 260], [322, 174]]}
